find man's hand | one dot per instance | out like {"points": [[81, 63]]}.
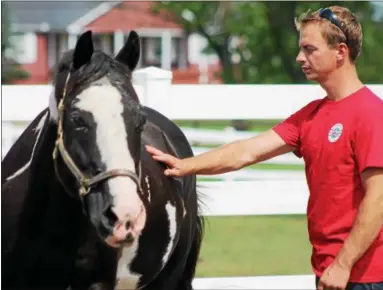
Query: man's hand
{"points": [[174, 164], [335, 277]]}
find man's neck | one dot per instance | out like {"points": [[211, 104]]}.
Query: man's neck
{"points": [[342, 83]]}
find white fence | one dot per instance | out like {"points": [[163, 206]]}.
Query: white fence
{"points": [[287, 282], [273, 193]]}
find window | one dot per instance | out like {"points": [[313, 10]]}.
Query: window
{"points": [[152, 51], [103, 42]]}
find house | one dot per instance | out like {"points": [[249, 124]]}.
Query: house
{"points": [[44, 30]]}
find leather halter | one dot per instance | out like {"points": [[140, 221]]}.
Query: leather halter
{"points": [[84, 181]]}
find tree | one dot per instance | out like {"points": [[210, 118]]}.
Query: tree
{"points": [[11, 70], [265, 37]]}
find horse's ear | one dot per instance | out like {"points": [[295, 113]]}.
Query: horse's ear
{"points": [[83, 51], [130, 53]]}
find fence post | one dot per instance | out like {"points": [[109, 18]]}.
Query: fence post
{"points": [[155, 84]]}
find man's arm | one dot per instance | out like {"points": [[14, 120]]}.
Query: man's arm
{"points": [[236, 155], [229, 157], [368, 222]]}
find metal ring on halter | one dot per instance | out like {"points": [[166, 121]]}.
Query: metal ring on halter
{"points": [[84, 190]]}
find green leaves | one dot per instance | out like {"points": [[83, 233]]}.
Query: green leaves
{"points": [[10, 69], [265, 37]]}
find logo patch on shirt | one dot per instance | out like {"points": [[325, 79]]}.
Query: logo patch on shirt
{"points": [[335, 132]]}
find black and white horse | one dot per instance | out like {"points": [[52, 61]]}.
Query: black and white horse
{"points": [[83, 202]]}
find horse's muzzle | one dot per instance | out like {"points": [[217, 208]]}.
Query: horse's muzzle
{"points": [[127, 231]]}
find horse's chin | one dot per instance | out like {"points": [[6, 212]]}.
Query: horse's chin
{"points": [[111, 241]]}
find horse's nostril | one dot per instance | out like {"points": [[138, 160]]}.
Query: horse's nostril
{"points": [[129, 238], [111, 216], [127, 225]]}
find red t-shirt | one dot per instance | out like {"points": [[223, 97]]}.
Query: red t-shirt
{"points": [[338, 140]]}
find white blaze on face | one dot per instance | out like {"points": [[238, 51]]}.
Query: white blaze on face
{"points": [[104, 103]]}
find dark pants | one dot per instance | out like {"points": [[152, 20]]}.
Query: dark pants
{"points": [[360, 286]]}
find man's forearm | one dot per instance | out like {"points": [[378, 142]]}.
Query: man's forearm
{"points": [[236, 155], [223, 159], [366, 228]]}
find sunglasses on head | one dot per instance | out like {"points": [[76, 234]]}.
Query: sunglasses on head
{"points": [[326, 13]]}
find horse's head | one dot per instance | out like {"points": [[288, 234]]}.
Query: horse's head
{"points": [[100, 122]]}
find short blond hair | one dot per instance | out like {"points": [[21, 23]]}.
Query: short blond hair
{"points": [[351, 32]]}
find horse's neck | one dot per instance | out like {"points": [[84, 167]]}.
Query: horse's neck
{"points": [[41, 169]]}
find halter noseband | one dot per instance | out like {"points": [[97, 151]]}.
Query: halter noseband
{"points": [[84, 181]]}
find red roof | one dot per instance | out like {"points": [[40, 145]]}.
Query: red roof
{"points": [[132, 15]]}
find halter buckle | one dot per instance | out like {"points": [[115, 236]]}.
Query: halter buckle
{"points": [[84, 190]]}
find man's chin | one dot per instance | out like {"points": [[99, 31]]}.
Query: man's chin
{"points": [[312, 77]]}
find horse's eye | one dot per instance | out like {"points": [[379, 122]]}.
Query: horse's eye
{"points": [[82, 129], [79, 122]]}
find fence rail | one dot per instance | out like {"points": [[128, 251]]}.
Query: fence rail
{"points": [[187, 102], [288, 282]]}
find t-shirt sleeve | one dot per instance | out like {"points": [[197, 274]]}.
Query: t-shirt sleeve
{"points": [[290, 129], [368, 144]]}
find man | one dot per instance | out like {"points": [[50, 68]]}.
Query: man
{"points": [[341, 140]]}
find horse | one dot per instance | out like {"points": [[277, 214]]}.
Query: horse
{"points": [[90, 205]]}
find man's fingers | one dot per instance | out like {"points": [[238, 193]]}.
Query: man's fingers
{"points": [[158, 154], [321, 285], [324, 286], [168, 159], [153, 150], [160, 157], [165, 158], [171, 172]]}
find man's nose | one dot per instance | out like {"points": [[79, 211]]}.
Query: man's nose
{"points": [[300, 57]]}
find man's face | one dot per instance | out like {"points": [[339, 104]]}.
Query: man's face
{"points": [[316, 58]]}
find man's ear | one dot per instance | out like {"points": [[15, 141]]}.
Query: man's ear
{"points": [[342, 52]]}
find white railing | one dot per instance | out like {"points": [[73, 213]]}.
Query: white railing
{"points": [[284, 282], [256, 197], [185, 102], [272, 193]]}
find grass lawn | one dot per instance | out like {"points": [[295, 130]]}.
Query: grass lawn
{"points": [[271, 166], [255, 245], [254, 125]]}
